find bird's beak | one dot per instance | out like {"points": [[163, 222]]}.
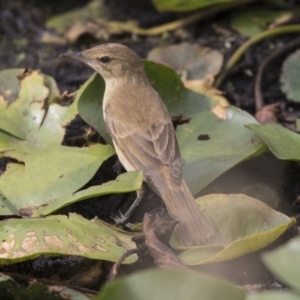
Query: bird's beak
{"points": [[76, 55]]}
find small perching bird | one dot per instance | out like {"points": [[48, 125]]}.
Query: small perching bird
{"points": [[143, 135]]}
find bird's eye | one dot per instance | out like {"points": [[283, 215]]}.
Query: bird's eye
{"points": [[104, 59]]}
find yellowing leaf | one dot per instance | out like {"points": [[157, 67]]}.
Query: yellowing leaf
{"points": [[73, 235], [242, 225]]}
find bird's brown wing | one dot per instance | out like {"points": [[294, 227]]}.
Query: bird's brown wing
{"points": [[149, 149]]}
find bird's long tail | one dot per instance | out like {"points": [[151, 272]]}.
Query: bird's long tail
{"points": [[194, 227]]}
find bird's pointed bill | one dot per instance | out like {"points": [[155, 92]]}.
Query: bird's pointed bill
{"points": [[76, 55]]}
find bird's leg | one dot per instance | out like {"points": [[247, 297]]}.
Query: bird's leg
{"points": [[123, 217]]}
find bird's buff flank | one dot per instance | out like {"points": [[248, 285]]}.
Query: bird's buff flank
{"points": [[143, 135]]}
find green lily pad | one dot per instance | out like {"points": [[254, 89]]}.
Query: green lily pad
{"points": [[284, 143], [170, 285], [227, 142], [22, 239], [284, 263], [128, 182], [250, 22], [243, 225], [267, 295], [31, 132], [185, 5], [290, 75]]}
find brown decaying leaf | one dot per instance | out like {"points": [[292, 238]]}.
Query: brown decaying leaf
{"points": [[220, 111], [159, 226], [98, 29], [268, 114]]}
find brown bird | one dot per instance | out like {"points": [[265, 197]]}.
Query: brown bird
{"points": [[144, 136]]}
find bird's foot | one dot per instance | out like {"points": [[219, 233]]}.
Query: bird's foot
{"points": [[122, 218]]}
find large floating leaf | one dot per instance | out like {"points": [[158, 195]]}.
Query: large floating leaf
{"points": [[290, 77], [31, 132], [211, 143], [284, 263], [284, 143], [250, 22], [73, 235], [170, 285], [268, 295], [128, 182], [243, 225]]}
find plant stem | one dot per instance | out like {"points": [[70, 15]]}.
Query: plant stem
{"points": [[244, 47]]}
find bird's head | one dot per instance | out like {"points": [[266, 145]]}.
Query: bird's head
{"points": [[110, 60]]}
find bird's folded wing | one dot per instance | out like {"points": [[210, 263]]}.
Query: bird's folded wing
{"points": [[150, 149]]}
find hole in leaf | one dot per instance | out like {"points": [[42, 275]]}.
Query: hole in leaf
{"points": [[203, 137]]}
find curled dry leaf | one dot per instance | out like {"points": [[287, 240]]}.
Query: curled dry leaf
{"points": [[97, 29], [268, 114], [159, 226]]}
